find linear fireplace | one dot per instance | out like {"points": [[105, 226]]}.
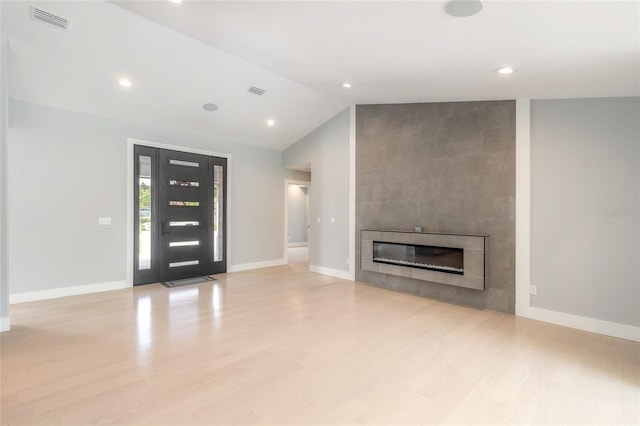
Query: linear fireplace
{"points": [[434, 258], [453, 259]]}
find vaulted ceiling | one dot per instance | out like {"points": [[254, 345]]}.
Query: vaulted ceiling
{"points": [[180, 56]]}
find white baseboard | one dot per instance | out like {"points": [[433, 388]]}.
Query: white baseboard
{"points": [[345, 275], [608, 328], [32, 296], [5, 324], [257, 265], [303, 244]]}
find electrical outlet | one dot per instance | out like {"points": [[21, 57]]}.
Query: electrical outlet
{"points": [[533, 290], [333, 220], [104, 221]]}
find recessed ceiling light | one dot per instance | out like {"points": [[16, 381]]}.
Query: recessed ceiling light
{"points": [[463, 8], [176, 1], [124, 82], [209, 107], [271, 123], [505, 70], [346, 85]]}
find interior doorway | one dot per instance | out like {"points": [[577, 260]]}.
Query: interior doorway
{"points": [[297, 223], [179, 215]]}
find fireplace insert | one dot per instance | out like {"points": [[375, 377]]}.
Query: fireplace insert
{"points": [[442, 259]]}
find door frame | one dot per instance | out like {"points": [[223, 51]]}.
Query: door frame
{"points": [[130, 207], [288, 182]]}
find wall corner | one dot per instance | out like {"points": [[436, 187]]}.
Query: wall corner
{"points": [[523, 205], [352, 191]]}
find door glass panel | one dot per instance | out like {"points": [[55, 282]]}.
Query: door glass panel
{"points": [[185, 203], [185, 223], [184, 243], [184, 263], [144, 212], [184, 163], [218, 209], [185, 183]]}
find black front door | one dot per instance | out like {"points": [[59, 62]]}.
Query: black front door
{"points": [[185, 215], [186, 220]]}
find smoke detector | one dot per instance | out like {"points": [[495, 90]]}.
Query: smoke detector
{"points": [[463, 8]]}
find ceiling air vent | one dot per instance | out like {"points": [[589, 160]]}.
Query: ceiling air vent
{"points": [[256, 90], [41, 15]]}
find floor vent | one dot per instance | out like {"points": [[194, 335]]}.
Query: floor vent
{"points": [[49, 18], [256, 90]]}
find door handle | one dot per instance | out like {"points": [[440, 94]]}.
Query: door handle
{"points": [[165, 227]]}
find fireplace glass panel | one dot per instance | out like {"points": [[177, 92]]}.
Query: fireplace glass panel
{"points": [[442, 259]]}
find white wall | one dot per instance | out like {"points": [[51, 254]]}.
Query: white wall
{"points": [[66, 169], [297, 200], [327, 150], [585, 207], [4, 287]]}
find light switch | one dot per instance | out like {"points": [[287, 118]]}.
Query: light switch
{"points": [[333, 220], [318, 219], [104, 221]]}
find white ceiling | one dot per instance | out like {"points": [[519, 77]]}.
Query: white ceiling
{"points": [[399, 51], [301, 52], [173, 76]]}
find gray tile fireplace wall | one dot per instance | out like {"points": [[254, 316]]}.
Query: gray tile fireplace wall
{"points": [[447, 167]]}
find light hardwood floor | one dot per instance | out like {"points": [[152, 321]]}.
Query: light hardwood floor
{"points": [[286, 346]]}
